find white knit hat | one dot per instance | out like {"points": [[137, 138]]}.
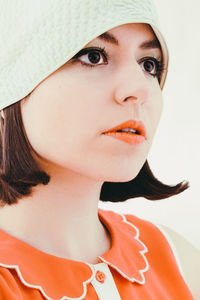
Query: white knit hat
{"points": [[38, 36]]}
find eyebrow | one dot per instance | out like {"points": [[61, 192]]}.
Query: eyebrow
{"points": [[110, 38]]}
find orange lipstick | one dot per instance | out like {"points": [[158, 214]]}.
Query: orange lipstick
{"points": [[132, 132]]}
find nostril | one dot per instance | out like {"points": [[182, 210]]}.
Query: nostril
{"points": [[135, 98], [132, 97]]}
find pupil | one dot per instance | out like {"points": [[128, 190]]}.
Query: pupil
{"points": [[148, 65], [94, 57]]}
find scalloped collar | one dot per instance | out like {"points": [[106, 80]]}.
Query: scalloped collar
{"points": [[126, 256]]}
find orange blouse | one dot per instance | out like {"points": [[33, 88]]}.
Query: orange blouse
{"points": [[140, 265]]}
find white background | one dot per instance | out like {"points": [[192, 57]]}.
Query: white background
{"points": [[174, 155]]}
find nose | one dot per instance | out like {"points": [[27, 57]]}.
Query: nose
{"points": [[131, 84]]}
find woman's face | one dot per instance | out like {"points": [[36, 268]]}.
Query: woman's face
{"points": [[66, 114]]}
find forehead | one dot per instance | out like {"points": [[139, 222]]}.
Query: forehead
{"points": [[142, 28], [140, 31]]}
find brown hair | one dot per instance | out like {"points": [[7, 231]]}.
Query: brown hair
{"points": [[19, 171]]}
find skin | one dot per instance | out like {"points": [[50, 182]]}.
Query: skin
{"points": [[64, 118]]}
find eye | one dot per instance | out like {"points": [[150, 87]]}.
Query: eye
{"points": [[153, 66], [92, 56]]}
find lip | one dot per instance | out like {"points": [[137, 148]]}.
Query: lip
{"points": [[130, 138], [134, 124]]}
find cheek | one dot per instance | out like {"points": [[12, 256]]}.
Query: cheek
{"points": [[65, 118], [158, 108], [153, 110]]}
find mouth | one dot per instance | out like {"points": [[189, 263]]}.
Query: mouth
{"points": [[133, 127]]}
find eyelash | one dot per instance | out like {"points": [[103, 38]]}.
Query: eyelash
{"points": [[158, 63]]}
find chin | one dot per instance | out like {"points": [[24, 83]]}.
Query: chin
{"points": [[123, 175]]}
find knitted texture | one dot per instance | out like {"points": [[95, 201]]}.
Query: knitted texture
{"points": [[37, 37]]}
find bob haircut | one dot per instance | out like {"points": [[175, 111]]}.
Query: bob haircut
{"points": [[19, 171]]}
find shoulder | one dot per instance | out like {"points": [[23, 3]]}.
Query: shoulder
{"points": [[159, 249], [149, 232], [188, 258], [8, 286]]}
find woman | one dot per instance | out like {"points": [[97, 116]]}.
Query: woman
{"points": [[73, 72]]}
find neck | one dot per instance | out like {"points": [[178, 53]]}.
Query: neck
{"points": [[60, 218]]}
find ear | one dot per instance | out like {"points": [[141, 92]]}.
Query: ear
{"points": [[2, 114]]}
